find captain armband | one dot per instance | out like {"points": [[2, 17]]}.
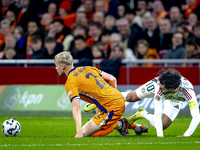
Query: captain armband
{"points": [[193, 105]]}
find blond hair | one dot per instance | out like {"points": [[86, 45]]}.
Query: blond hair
{"points": [[64, 58]]}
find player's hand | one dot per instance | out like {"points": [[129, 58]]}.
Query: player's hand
{"points": [[79, 135], [180, 136]]}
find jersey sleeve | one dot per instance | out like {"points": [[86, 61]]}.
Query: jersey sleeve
{"points": [[72, 90], [100, 72]]}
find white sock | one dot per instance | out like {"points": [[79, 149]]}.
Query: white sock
{"points": [[120, 124], [137, 128], [149, 117]]}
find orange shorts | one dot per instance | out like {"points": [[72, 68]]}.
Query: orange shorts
{"points": [[105, 120]]}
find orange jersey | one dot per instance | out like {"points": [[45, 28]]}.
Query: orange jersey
{"points": [[87, 84]]}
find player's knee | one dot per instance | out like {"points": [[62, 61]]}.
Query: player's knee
{"points": [[86, 133], [165, 126]]}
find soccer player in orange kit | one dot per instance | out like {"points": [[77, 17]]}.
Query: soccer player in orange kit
{"points": [[100, 88]]}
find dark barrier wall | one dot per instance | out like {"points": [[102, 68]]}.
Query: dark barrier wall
{"points": [[48, 75]]}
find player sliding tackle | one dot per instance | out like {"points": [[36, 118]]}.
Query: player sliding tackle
{"points": [[94, 86], [169, 90]]}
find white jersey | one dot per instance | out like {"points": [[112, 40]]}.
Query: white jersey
{"points": [[185, 93]]}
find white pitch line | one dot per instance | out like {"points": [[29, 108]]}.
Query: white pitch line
{"points": [[83, 144]]}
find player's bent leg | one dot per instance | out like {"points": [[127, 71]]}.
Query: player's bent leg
{"points": [[166, 121], [123, 129], [170, 112], [136, 116], [132, 97], [90, 128], [103, 132]]}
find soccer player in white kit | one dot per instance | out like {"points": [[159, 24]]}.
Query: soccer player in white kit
{"points": [[169, 90]]}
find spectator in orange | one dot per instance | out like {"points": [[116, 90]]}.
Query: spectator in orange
{"points": [[189, 6], [10, 15], [52, 9], [99, 17], [95, 30], [5, 28], [65, 13], [158, 10], [142, 51]]}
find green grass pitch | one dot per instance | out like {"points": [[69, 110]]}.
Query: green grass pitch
{"points": [[41, 133]]}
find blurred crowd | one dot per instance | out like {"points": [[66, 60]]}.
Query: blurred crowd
{"points": [[100, 29]]}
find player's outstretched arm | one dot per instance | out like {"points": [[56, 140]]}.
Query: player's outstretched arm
{"points": [[77, 117], [194, 110], [110, 79]]}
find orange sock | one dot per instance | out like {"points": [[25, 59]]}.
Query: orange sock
{"points": [[103, 132], [132, 126]]}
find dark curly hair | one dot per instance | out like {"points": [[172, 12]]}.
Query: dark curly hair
{"points": [[170, 78]]}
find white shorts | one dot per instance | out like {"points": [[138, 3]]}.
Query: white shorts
{"points": [[171, 108]]}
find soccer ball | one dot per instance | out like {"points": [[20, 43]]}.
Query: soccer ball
{"points": [[11, 127]]}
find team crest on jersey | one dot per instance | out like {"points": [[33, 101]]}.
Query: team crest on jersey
{"points": [[143, 90], [157, 98]]}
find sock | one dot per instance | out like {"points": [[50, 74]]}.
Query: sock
{"points": [[132, 126], [137, 128], [119, 124], [103, 132], [149, 117]]}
